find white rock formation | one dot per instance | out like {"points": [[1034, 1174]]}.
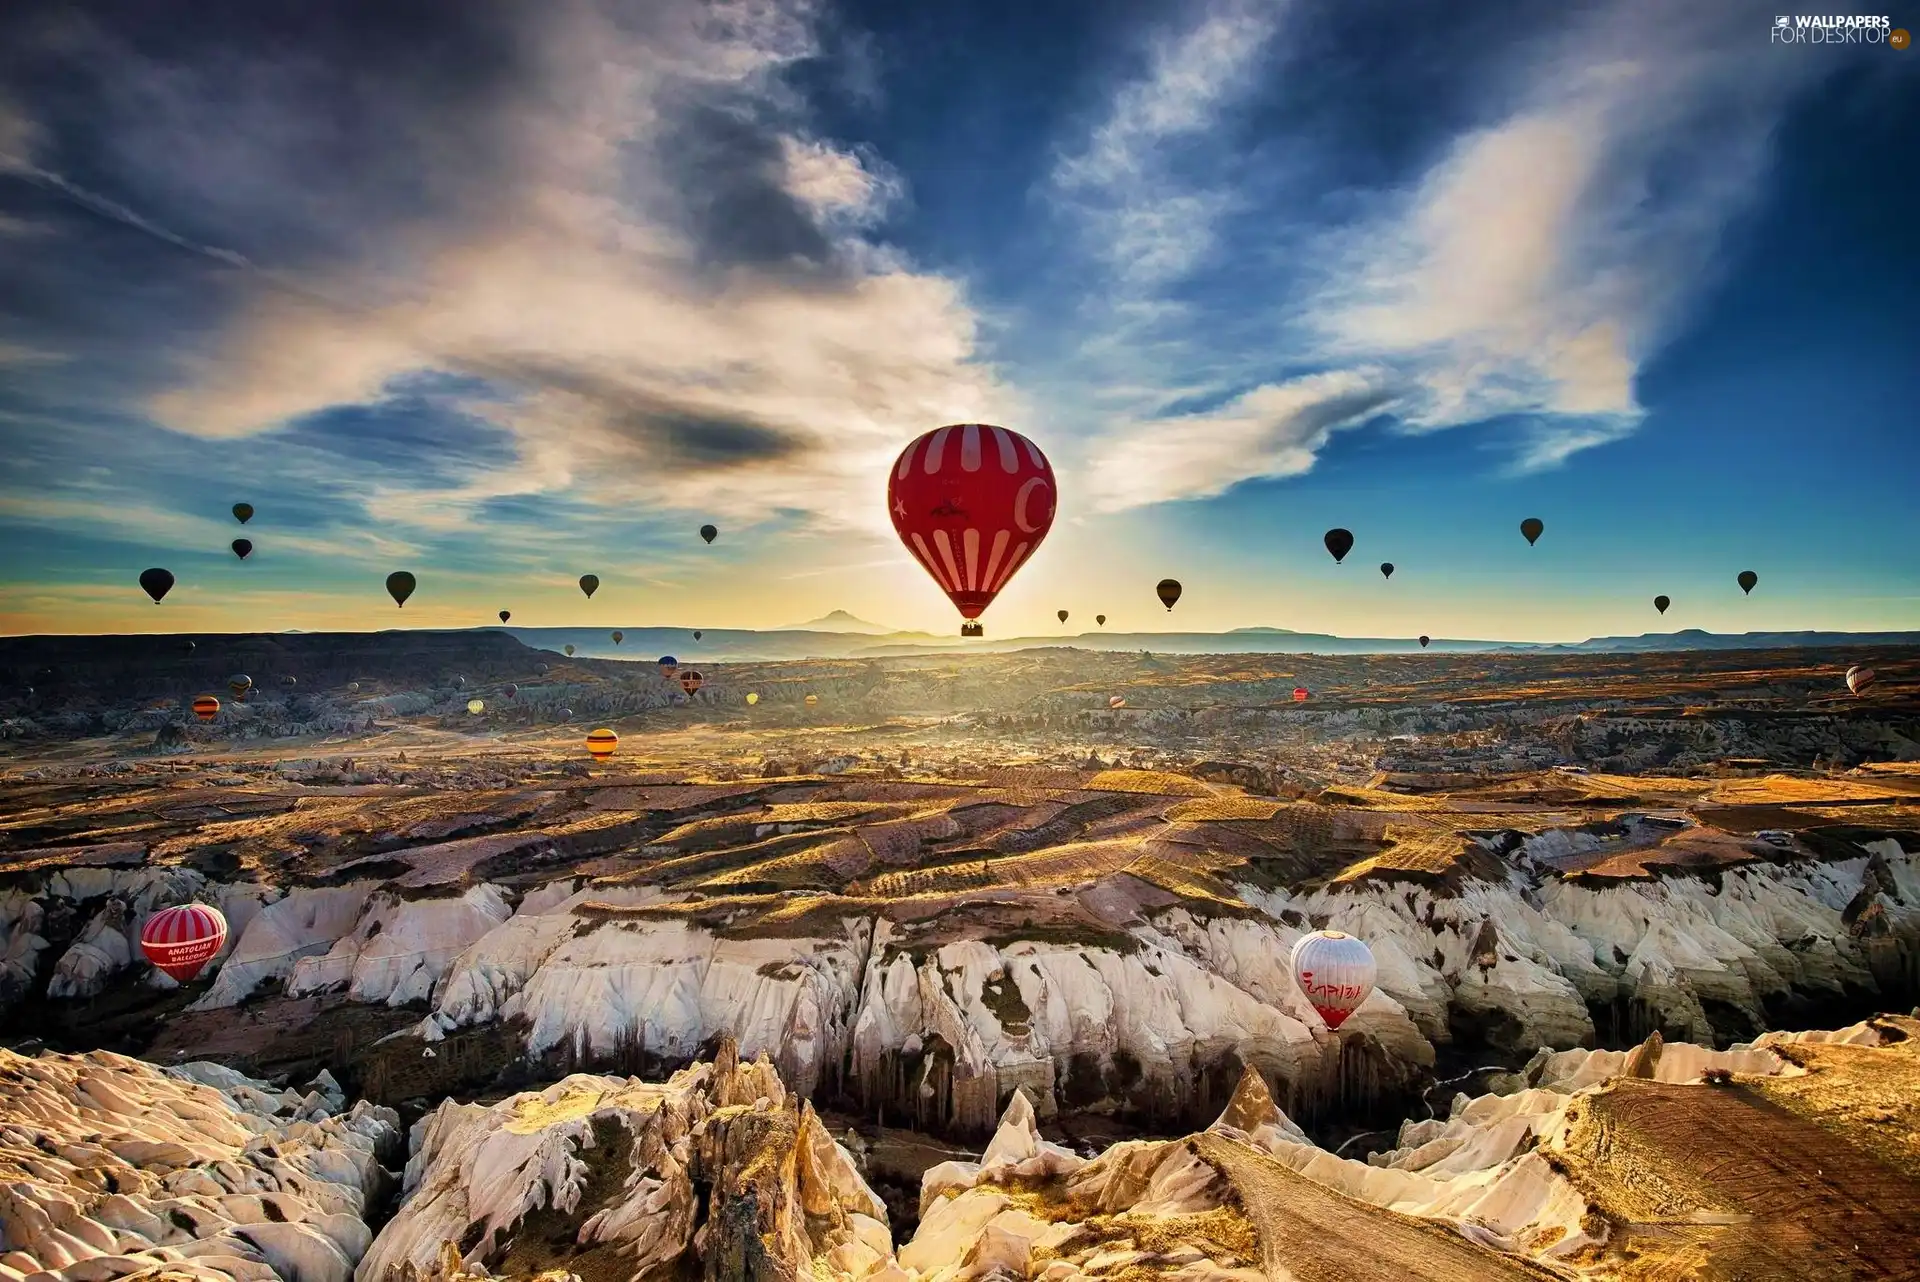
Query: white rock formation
{"points": [[114, 1167], [399, 948], [306, 923]]}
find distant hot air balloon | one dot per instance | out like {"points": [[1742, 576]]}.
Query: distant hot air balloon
{"points": [[243, 512], [1063, 616], [180, 941], [589, 583], [1100, 619], [1116, 701], [505, 615], [289, 681], [696, 636], [1859, 678], [239, 683], [476, 706], [1339, 542], [1386, 569], [1533, 527], [1424, 641], [1335, 971], [400, 586], [971, 502], [618, 637], [601, 743], [565, 714], [243, 548], [1746, 580], [752, 698], [353, 687], [1169, 591], [156, 582], [667, 664], [1661, 603], [459, 682], [186, 647], [690, 681], [569, 649], [1299, 694], [812, 699], [206, 707], [512, 691], [541, 668], [708, 533]]}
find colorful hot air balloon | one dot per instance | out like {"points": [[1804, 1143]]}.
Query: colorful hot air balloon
{"points": [[1116, 701], [243, 548], [708, 533], [182, 940], [569, 649], [971, 502], [812, 699], [752, 698], [1661, 603], [505, 615], [243, 512], [1339, 542], [476, 706], [239, 683], [1386, 569], [690, 681], [1063, 616], [1746, 580], [206, 707], [1168, 591], [618, 637], [400, 586], [1533, 527], [1335, 971], [1859, 678], [601, 742], [1423, 642], [1299, 694], [589, 583], [156, 582], [667, 665], [1100, 619]]}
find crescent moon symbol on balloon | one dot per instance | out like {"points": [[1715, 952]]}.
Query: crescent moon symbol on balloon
{"points": [[1020, 504]]}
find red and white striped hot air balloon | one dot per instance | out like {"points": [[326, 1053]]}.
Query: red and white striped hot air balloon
{"points": [[971, 502], [1299, 694], [1335, 971], [183, 939], [1859, 678]]}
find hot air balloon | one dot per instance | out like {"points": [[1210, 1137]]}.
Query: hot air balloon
{"points": [[1335, 971], [971, 502], [812, 699], [156, 582], [1063, 616], [505, 615], [1859, 678], [243, 548], [1115, 701], [353, 687], [752, 698], [512, 691], [186, 647], [1423, 642], [566, 714], [239, 683], [459, 682], [690, 681], [1746, 580], [696, 636], [601, 743], [476, 706], [1533, 527], [1386, 569], [708, 533], [589, 583], [1100, 619], [569, 649], [542, 669], [618, 637], [182, 940], [1339, 542], [1169, 591], [1661, 603], [206, 707], [243, 512], [667, 664], [289, 681], [400, 586], [1299, 694]]}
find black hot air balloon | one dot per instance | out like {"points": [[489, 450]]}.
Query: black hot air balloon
{"points": [[505, 615], [708, 533], [618, 637], [1661, 603], [1386, 569], [1100, 619], [1169, 591], [289, 681], [696, 636], [1423, 642], [1747, 579], [588, 583], [400, 586], [1339, 542], [1063, 616], [1533, 527], [243, 548], [157, 583], [243, 512]]}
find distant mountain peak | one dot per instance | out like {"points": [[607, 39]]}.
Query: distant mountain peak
{"points": [[841, 621]]}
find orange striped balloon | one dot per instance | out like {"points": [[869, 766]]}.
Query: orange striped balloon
{"points": [[182, 940], [206, 707], [601, 743]]}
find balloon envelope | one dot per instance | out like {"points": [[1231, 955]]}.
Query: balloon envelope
{"points": [[206, 707], [1386, 569], [476, 707], [1747, 580], [601, 743], [708, 533], [1335, 971], [1533, 527], [243, 548], [1063, 616], [971, 502], [239, 683], [512, 691], [1859, 678], [588, 583], [1299, 694], [690, 681], [156, 582], [243, 512], [812, 699], [400, 586], [1423, 642], [618, 637], [1100, 619], [1168, 590], [667, 664], [1339, 542], [1661, 603], [505, 615], [696, 636], [569, 649], [182, 940], [1116, 701], [752, 698]]}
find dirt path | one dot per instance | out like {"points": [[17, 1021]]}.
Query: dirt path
{"points": [[1309, 1233]]}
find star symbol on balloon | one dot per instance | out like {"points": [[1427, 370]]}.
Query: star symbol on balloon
{"points": [[900, 508]]}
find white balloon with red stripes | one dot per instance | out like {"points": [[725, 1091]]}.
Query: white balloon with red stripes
{"points": [[971, 502], [1335, 971], [183, 939]]}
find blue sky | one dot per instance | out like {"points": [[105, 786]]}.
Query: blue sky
{"points": [[503, 294]]}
